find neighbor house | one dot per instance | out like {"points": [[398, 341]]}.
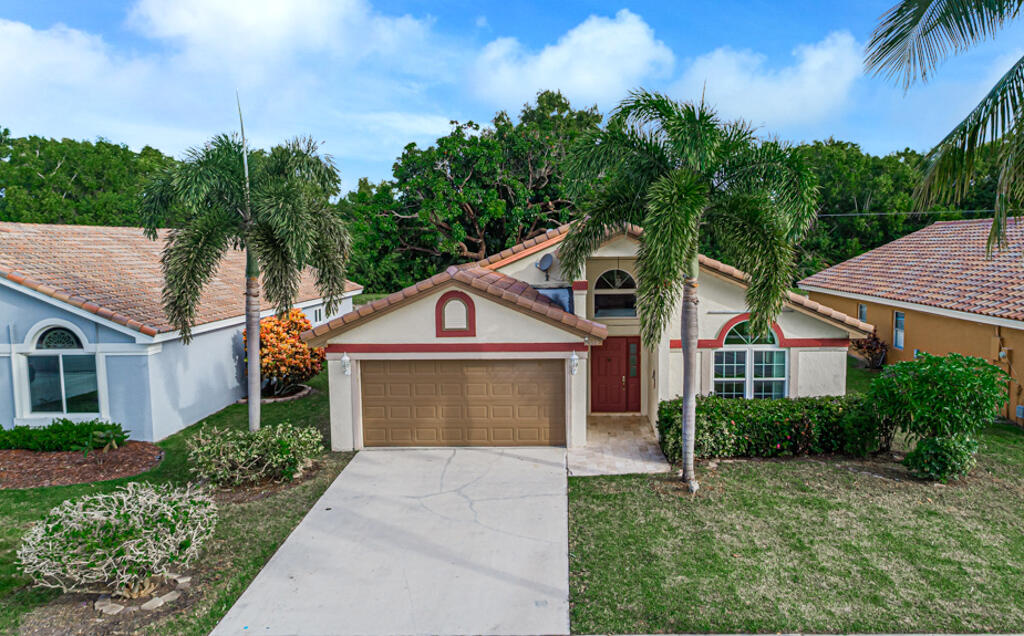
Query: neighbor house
{"points": [[510, 351], [83, 333], [936, 290]]}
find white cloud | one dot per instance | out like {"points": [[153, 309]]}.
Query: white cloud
{"points": [[740, 84], [481, 22], [597, 61]]}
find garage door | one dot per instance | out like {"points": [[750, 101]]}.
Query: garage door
{"points": [[463, 402]]}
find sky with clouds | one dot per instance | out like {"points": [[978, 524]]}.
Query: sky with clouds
{"points": [[367, 77]]}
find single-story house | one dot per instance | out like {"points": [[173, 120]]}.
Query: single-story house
{"points": [[509, 351], [936, 290], [83, 333]]}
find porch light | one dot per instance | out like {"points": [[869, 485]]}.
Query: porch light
{"points": [[346, 364], [574, 363]]}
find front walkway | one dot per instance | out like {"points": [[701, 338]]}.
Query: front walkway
{"points": [[618, 445], [440, 541]]}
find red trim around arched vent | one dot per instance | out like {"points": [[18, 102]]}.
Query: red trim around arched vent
{"points": [[445, 298]]}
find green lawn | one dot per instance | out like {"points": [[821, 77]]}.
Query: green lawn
{"points": [[858, 377], [247, 533]]}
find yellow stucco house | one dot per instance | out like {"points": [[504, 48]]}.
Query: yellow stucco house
{"points": [[509, 351]]}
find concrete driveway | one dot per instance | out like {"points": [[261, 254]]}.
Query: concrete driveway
{"points": [[445, 541]]}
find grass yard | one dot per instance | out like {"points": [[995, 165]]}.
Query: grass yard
{"points": [[858, 377], [247, 533], [804, 545]]}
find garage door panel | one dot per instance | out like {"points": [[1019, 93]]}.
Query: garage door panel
{"points": [[463, 402]]}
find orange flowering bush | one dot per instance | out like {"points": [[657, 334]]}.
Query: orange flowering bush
{"points": [[285, 360]]}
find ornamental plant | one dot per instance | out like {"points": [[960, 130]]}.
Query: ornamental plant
{"points": [[872, 349], [285, 360], [118, 541], [230, 457], [64, 435]]}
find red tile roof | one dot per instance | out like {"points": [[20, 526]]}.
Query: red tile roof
{"points": [[115, 273], [504, 289], [943, 265], [557, 235]]}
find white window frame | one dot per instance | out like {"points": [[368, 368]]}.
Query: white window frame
{"points": [[748, 378], [616, 292], [862, 312], [899, 330]]}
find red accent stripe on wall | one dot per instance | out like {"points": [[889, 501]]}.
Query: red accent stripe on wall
{"points": [[718, 342], [579, 285], [456, 347]]}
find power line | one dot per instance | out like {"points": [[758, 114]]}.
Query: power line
{"points": [[908, 213]]}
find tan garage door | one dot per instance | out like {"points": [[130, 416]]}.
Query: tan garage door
{"points": [[463, 402]]}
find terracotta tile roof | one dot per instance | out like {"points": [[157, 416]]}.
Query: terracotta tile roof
{"points": [[943, 265], [557, 235], [114, 272], [502, 288]]}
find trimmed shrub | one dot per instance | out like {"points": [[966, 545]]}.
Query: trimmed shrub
{"points": [[230, 457], [117, 540], [759, 428], [285, 360], [63, 435], [942, 458]]}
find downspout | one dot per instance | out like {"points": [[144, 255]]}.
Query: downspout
{"points": [[14, 390]]}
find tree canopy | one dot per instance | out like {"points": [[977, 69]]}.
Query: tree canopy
{"points": [[74, 182]]}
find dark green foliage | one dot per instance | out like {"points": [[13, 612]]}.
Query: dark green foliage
{"points": [[760, 428], [63, 435], [77, 182], [943, 458], [939, 396], [474, 192]]}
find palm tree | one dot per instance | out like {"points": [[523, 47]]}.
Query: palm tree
{"points": [[674, 168], [273, 205], [910, 42]]}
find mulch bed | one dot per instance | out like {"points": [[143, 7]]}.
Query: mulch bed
{"points": [[31, 469]]}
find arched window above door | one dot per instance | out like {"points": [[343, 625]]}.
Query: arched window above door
{"points": [[615, 295]]}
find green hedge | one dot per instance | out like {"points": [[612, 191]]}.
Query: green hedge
{"points": [[761, 428], [63, 435]]}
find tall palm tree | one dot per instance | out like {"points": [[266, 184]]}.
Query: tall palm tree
{"points": [[910, 42], [275, 206], [674, 168]]}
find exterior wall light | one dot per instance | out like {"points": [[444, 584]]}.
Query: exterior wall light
{"points": [[574, 363], [346, 364]]}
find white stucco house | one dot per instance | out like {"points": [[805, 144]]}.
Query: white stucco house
{"points": [[502, 352], [83, 334]]}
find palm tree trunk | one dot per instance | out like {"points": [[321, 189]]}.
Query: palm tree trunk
{"points": [[689, 344], [252, 330]]}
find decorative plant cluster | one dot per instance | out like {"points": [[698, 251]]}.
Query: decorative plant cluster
{"points": [[941, 402], [64, 435], [285, 360], [118, 541], [872, 349], [230, 457], [760, 428]]}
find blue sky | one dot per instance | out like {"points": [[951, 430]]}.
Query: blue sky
{"points": [[368, 77]]}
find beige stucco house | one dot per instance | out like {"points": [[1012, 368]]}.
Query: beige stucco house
{"points": [[509, 351]]}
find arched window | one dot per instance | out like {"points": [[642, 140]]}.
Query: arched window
{"points": [[750, 365], [61, 375], [615, 295]]}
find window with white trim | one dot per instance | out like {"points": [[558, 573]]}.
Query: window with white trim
{"points": [[318, 315], [615, 295], [862, 312], [750, 366], [456, 315], [61, 375], [897, 329]]}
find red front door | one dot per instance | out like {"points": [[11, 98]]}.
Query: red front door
{"points": [[615, 376]]}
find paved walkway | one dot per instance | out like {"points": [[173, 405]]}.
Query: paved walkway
{"points": [[618, 445], [446, 541]]}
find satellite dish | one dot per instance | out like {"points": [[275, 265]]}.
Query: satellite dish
{"points": [[544, 264]]}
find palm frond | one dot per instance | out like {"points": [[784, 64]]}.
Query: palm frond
{"points": [[668, 249], [280, 275], [915, 36], [329, 256], [191, 257]]}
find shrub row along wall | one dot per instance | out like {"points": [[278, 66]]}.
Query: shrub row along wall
{"points": [[762, 428]]}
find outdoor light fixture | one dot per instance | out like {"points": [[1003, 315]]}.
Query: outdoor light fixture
{"points": [[346, 364], [574, 363]]}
